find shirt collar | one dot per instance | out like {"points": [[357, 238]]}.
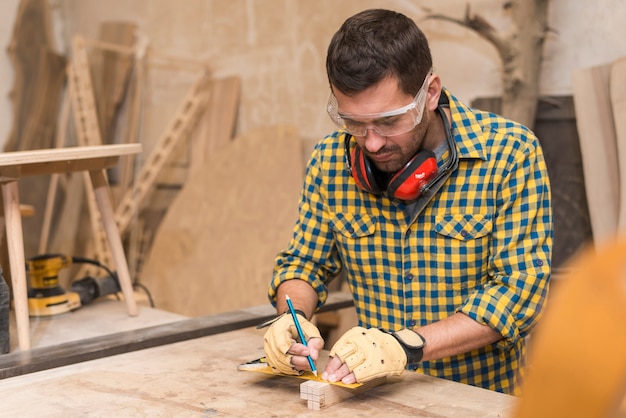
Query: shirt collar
{"points": [[467, 128]]}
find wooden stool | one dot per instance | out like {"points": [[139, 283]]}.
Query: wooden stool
{"points": [[95, 160], [26, 211]]}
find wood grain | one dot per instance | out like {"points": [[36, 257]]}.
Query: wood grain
{"points": [[617, 84], [596, 130], [38, 359], [199, 377], [215, 248]]}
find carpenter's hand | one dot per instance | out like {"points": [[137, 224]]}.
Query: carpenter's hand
{"points": [[363, 354], [283, 353]]}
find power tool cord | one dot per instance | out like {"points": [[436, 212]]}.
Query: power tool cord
{"points": [[113, 274]]}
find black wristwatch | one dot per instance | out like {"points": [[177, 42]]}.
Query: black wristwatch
{"points": [[413, 344]]}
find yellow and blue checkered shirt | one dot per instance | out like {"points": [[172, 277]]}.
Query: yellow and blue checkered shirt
{"points": [[482, 246]]}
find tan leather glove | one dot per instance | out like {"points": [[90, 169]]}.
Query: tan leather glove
{"points": [[279, 338], [372, 353]]}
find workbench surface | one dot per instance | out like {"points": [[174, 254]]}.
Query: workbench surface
{"points": [[199, 378]]}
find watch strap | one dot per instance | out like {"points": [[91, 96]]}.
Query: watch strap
{"points": [[413, 344], [276, 318]]}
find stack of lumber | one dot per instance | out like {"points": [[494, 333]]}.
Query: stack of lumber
{"points": [[212, 241], [104, 101], [35, 95]]}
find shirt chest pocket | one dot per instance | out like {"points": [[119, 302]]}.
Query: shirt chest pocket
{"points": [[463, 226], [353, 225], [357, 241], [465, 247]]}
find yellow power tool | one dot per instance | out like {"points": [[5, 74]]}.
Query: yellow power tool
{"points": [[46, 297]]}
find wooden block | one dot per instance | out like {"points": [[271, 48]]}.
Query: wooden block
{"points": [[320, 394]]}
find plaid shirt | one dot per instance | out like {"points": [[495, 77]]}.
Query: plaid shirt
{"points": [[482, 246]]}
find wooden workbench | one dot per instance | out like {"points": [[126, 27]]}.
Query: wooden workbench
{"points": [[199, 377]]}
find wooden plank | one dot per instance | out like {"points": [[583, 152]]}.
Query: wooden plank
{"points": [[110, 71], [38, 359], [55, 178], [199, 377], [181, 123], [39, 77], [103, 200], [618, 103], [596, 130], [134, 110], [231, 218], [87, 133], [63, 160], [217, 126]]}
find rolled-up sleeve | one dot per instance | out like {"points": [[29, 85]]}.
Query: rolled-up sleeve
{"points": [[511, 301], [311, 255]]}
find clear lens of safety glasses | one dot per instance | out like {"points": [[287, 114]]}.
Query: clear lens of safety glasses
{"points": [[391, 123]]}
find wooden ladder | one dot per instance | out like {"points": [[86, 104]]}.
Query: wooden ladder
{"points": [[80, 88], [180, 124], [88, 133]]}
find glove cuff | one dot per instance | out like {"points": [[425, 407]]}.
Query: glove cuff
{"points": [[413, 345]]}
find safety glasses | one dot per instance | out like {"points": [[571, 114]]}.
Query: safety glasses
{"points": [[390, 123]]}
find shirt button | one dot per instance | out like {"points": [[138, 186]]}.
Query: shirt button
{"points": [[409, 277], [464, 233], [538, 263], [351, 230], [412, 323]]}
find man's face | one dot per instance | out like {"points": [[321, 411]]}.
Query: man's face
{"points": [[388, 153]]}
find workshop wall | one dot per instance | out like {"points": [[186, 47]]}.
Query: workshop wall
{"points": [[278, 48]]}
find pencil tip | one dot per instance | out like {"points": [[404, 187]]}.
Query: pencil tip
{"points": [[315, 373], [287, 297]]}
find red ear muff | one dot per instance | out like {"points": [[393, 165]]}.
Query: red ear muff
{"points": [[362, 172], [408, 183]]}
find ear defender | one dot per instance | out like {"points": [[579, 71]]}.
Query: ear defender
{"points": [[362, 172], [406, 184]]}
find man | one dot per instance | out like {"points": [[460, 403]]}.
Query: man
{"points": [[439, 214]]}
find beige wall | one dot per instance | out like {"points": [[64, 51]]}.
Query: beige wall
{"points": [[9, 9], [278, 48]]}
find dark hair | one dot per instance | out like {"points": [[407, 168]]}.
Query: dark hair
{"points": [[375, 44]]}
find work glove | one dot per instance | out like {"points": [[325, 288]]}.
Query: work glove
{"points": [[279, 338], [372, 353]]}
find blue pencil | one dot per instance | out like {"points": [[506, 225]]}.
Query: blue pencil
{"points": [[300, 333]]}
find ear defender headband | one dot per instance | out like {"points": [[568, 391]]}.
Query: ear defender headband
{"points": [[416, 177]]}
